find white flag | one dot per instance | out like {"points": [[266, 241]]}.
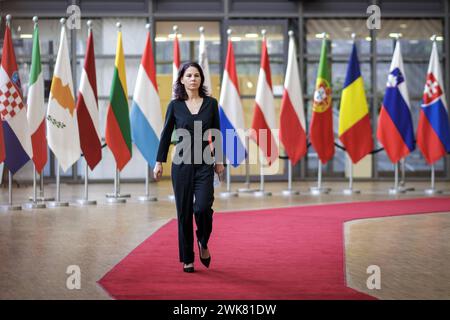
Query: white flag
{"points": [[62, 127], [203, 62]]}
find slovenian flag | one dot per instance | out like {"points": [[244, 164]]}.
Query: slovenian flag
{"points": [[395, 128], [355, 131], [231, 113], [146, 117], [13, 111], [433, 132]]}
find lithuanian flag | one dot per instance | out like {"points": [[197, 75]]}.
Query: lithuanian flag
{"points": [[118, 134], [355, 131]]}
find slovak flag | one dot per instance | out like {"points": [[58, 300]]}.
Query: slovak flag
{"points": [[264, 110], [395, 128], [13, 111], [231, 113], [146, 117], [433, 132]]}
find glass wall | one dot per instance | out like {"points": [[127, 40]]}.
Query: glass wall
{"points": [[374, 55]]}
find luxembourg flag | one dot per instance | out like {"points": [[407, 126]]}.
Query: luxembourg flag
{"points": [[230, 112], [13, 111], [146, 117], [395, 128], [433, 132], [264, 110], [292, 114]]}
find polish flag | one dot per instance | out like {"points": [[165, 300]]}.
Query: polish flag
{"points": [[292, 116], [87, 109], [264, 111]]}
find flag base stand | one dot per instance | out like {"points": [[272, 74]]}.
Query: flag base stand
{"points": [[290, 192], [116, 200], [396, 191], [432, 191], [112, 195], [34, 205], [42, 199], [57, 204], [147, 199], [246, 190], [262, 193], [319, 190], [228, 194], [86, 202], [351, 191], [11, 207]]}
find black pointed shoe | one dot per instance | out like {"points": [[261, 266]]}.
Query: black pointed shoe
{"points": [[204, 261], [188, 269]]}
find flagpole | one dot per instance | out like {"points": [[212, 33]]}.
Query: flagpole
{"points": [[247, 188], [261, 192], [147, 197], [289, 191], [34, 204], [315, 191], [319, 189], [432, 190], [58, 202], [115, 197], [403, 180], [350, 190], [396, 189], [228, 193], [10, 206]]}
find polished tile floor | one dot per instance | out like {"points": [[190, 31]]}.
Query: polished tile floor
{"points": [[37, 246]]}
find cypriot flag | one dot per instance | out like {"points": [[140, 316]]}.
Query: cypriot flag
{"points": [[62, 128]]}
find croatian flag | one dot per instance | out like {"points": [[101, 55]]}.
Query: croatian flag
{"points": [[395, 128], [231, 114], [146, 117], [13, 110], [433, 132]]}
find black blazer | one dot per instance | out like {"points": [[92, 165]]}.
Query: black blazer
{"points": [[178, 116]]}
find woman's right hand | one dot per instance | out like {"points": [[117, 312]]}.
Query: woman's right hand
{"points": [[157, 171]]}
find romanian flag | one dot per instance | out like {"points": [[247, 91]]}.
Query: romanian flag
{"points": [[118, 133], [355, 131], [321, 129]]}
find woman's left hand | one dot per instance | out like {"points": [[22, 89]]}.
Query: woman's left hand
{"points": [[219, 168]]}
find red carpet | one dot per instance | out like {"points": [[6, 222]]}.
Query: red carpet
{"points": [[288, 253]]}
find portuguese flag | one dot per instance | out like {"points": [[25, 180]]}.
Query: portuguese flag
{"points": [[118, 134], [321, 128]]}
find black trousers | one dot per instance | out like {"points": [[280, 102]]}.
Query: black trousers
{"points": [[193, 186]]}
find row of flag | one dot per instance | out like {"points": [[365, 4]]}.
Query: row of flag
{"points": [[395, 127], [71, 128]]}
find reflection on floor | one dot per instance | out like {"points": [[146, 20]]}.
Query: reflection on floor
{"points": [[37, 246]]}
